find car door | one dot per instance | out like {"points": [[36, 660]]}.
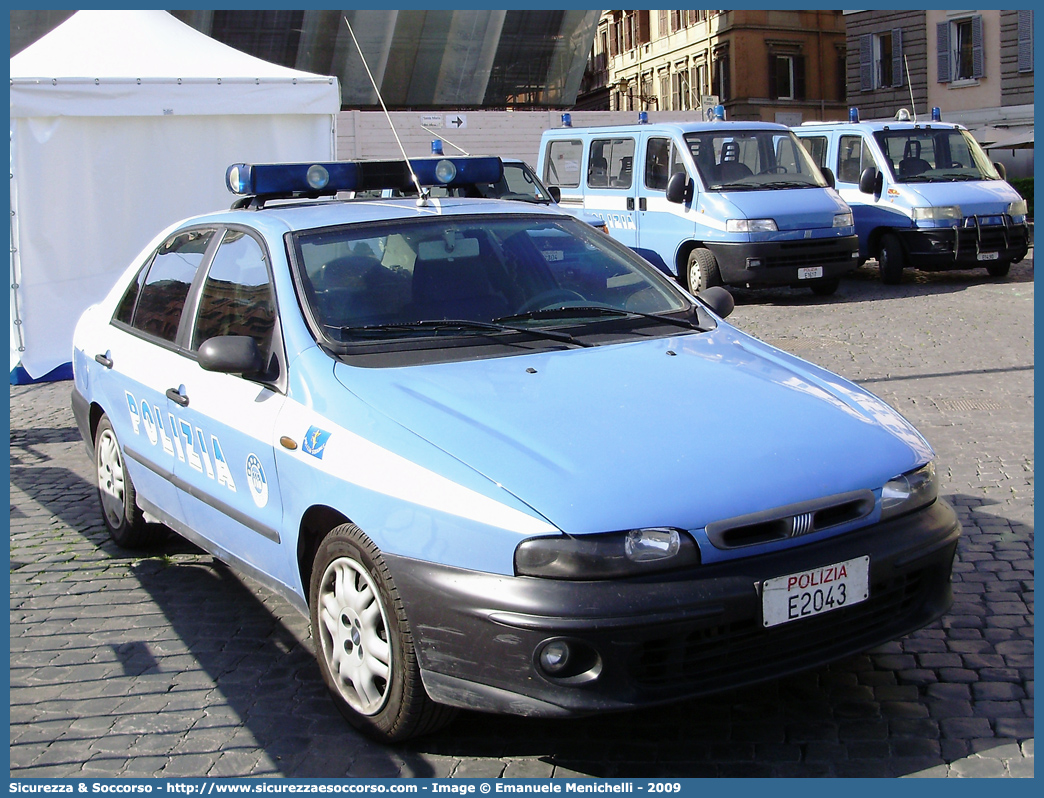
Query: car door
{"points": [[141, 349], [225, 463]]}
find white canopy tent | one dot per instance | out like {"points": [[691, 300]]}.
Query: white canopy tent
{"points": [[122, 123]]}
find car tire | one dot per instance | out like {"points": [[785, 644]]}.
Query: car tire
{"points": [[120, 512], [890, 260], [363, 641], [701, 271], [826, 286], [999, 268]]}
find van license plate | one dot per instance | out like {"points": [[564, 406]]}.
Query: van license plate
{"points": [[810, 272], [989, 255], [815, 591]]}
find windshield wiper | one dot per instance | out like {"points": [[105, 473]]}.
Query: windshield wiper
{"points": [[790, 184], [731, 186], [372, 330], [583, 311]]}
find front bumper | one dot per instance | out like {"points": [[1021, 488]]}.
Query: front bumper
{"points": [[669, 637], [972, 246], [767, 263]]}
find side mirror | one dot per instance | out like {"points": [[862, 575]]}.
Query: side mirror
{"points": [[680, 189], [829, 177], [555, 192], [1001, 170], [871, 181], [230, 354], [717, 299]]}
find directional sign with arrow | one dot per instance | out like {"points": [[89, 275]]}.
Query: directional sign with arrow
{"points": [[456, 121]]}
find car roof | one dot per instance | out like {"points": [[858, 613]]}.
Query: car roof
{"points": [[669, 127], [880, 124], [281, 217]]}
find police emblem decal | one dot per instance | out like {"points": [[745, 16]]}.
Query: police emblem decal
{"points": [[314, 442], [255, 473]]}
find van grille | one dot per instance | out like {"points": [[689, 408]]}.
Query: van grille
{"points": [[793, 254]]}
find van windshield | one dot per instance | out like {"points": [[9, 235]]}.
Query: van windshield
{"points": [[752, 160], [927, 155]]}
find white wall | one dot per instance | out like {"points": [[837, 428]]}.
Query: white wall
{"points": [[509, 134]]}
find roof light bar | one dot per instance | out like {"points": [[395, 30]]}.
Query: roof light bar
{"points": [[318, 179]]}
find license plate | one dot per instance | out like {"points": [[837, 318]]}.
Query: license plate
{"points": [[988, 255], [815, 591], [554, 255], [810, 272]]}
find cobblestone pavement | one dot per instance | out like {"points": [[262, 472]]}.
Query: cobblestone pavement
{"points": [[172, 665]]}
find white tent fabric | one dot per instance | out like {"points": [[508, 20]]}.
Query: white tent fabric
{"points": [[123, 122]]}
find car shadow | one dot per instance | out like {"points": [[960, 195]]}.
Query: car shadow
{"points": [[864, 285]]}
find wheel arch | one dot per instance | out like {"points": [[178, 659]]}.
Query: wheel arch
{"points": [[316, 523], [682, 260]]}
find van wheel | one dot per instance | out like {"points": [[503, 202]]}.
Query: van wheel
{"points": [[702, 272], [999, 268], [890, 260], [363, 641], [826, 286], [123, 518]]}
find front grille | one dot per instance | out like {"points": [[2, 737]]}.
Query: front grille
{"points": [[790, 522], [808, 253], [722, 656]]}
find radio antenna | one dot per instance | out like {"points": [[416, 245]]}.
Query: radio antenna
{"points": [[910, 86], [422, 194]]}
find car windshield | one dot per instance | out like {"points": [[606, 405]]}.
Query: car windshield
{"points": [[927, 155], [402, 278], [752, 160]]}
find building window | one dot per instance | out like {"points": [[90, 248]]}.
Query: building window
{"points": [[662, 23], [959, 50], [721, 79], [881, 60], [786, 76], [680, 91], [665, 92]]}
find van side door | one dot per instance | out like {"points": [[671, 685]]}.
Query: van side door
{"points": [[662, 226], [610, 189]]}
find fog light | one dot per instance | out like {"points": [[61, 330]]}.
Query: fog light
{"points": [[753, 263], [554, 658]]}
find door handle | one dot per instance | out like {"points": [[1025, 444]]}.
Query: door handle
{"points": [[641, 204], [177, 396], [630, 203], [105, 360]]}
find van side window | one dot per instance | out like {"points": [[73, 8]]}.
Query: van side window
{"points": [[853, 156], [563, 163], [657, 163], [611, 163], [817, 148]]}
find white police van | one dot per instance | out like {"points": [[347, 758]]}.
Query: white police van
{"points": [[739, 203], [924, 194]]}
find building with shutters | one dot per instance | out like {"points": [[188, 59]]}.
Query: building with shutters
{"points": [[975, 66], [770, 66]]}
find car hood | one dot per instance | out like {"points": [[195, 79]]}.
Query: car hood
{"points": [[677, 431], [791, 208], [975, 198]]}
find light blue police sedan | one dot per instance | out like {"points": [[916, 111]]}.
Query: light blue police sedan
{"points": [[503, 463]]}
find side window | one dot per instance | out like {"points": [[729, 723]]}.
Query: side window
{"points": [[166, 286], [563, 163], [125, 310], [611, 163], [817, 148], [853, 157], [237, 296], [657, 163]]}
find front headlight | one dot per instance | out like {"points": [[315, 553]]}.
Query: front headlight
{"points": [[938, 214], [606, 556], [750, 226], [843, 220], [1018, 208], [909, 492]]}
